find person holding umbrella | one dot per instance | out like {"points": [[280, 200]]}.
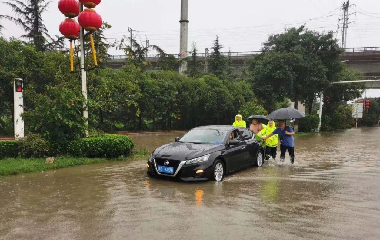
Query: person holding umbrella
{"points": [[286, 134], [257, 123]]}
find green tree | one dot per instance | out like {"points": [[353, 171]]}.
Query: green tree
{"points": [[137, 54], [338, 94], [168, 62], [29, 17], [229, 73], [37, 69], [113, 97], [295, 59], [217, 61], [193, 63], [57, 116], [372, 114]]}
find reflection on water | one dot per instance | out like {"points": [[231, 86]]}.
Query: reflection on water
{"points": [[332, 192], [198, 197], [270, 187]]}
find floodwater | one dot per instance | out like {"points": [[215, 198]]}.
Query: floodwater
{"points": [[331, 192]]}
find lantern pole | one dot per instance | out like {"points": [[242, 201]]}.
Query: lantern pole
{"points": [[83, 72]]}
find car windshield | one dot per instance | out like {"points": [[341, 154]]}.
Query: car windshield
{"points": [[210, 136]]}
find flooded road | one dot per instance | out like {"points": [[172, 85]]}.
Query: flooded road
{"points": [[331, 192]]}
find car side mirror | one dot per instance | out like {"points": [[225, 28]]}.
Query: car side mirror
{"points": [[234, 142], [176, 139]]}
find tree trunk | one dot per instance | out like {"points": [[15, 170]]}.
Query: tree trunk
{"points": [[310, 106], [296, 107], [154, 122], [140, 121], [296, 103]]}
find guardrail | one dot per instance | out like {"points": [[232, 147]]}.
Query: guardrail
{"points": [[363, 49], [250, 53]]}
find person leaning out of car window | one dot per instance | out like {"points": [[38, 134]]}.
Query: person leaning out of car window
{"points": [[239, 122]]}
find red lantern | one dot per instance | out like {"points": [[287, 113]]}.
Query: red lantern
{"points": [[90, 20], [70, 8], [69, 28], [90, 3]]}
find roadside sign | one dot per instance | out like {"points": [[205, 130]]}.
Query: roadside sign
{"points": [[357, 110]]}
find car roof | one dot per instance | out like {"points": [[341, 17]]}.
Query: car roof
{"points": [[221, 127]]}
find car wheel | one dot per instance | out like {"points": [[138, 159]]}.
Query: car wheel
{"points": [[259, 159], [218, 171]]}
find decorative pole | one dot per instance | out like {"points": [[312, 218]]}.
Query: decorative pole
{"points": [[88, 20], [83, 71]]}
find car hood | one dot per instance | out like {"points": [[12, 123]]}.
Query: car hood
{"points": [[185, 151]]}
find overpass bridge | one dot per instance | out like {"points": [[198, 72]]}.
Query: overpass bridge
{"points": [[366, 60]]}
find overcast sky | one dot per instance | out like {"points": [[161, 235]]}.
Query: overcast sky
{"points": [[242, 25]]}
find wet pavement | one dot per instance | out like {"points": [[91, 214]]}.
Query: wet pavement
{"points": [[332, 192]]}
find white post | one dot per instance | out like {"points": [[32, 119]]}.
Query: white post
{"points": [[320, 111], [18, 108], [83, 72], [184, 34]]}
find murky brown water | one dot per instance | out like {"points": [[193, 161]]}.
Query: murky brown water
{"points": [[332, 192]]}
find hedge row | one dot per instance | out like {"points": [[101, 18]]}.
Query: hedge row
{"points": [[9, 149], [109, 146]]}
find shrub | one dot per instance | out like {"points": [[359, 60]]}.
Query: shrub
{"points": [[109, 146], [341, 118], [369, 120], [57, 116], [34, 146], [9, 149], [6, 126], [308, 123]]}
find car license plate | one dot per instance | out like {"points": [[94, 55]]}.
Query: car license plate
{"points": [[167, 170]]}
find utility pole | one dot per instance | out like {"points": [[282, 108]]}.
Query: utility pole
{"points": [[131, 37], [206, 56], [345, 8], [147, 46], [184, 34], [83, 72]]}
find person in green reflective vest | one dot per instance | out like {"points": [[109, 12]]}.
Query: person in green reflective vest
{"points": [[271, 142], [239, 122]]}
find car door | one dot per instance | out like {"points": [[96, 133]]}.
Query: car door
{"points": [[236, 154], [247, 137], [253, 146]]}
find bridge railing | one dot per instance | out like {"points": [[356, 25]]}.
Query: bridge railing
{"points": [[249, 53], [363, 49]]}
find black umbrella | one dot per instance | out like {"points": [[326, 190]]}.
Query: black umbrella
{"points": [[260, 118], [286, 113]]}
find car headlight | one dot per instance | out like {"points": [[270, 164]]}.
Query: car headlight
{"points": [[198, 160], [151, 158]]}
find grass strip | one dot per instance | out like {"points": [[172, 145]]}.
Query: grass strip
{"points": [[14, 166]]}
